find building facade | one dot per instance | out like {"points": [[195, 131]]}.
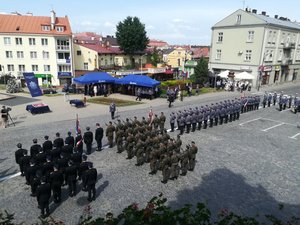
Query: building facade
{"points": [[38, 44], [267, 47]]}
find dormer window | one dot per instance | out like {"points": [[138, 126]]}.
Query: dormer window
{"points": [[59, 29], [45, 28]]}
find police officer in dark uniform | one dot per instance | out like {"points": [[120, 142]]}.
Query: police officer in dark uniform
{"points": [[99, 136], [56, 180], [35, 148], [88, 140], [18, 155], [91, 179], [24, 162], [43, 194], [70, 140], [47, 145], [58, 142], [71, 178]]}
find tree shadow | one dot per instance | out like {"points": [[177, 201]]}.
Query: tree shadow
{"points": [[224, 189], [18, 100], [6, 173]]}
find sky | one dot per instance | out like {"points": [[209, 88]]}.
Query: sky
{"points": [[176, 22]]}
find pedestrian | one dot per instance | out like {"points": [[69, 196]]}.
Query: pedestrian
{"points": [[56, 181], [71, 178], [70, 140], [112, 110], [110, 134], [58, 142], [91, 180], [43, 194], [47, 145], [4, 116], [88, 140], [99, 136], [18, 155]]}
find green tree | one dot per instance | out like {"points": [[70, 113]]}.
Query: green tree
{"points": [[201, 72], [132, 36], [155, 57]]}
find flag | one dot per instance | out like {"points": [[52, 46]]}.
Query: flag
{"points": [[78, 130], [246, 103], [32, 84]]}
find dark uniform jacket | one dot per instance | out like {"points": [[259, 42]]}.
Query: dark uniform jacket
{"points": [[56, 178], [70, 141], [43, 192], [88, 137], [19, 155], [71, 173], [91, 176], [99, 133], [34, 149], [47, 146], [58, 142]]}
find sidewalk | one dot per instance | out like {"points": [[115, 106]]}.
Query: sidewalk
{"points": [[62, 110]]}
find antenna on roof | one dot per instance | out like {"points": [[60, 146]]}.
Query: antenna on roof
{"points": [[244, 2]]}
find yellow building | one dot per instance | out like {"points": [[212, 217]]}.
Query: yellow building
{"points": [[176, 57]]}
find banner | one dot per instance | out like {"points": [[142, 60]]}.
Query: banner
{"points": [[32, 84]]}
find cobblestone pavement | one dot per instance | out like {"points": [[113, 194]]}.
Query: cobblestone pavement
{"points": [[248, 166]]}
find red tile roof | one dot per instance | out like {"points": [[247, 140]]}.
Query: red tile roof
{"points": [[157, 43], [98, 48], [32, 24], [199, 52]]}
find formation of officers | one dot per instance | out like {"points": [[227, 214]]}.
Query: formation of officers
{"points": [[216, 114], [53, 165], [149, 142], [283, 101]]}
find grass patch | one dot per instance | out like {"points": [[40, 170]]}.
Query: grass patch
{"points": [[108, 101], [2, 87]]}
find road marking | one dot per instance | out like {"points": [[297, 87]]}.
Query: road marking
{"points": [[10, 176], [265, 130], [294, 137], [277, 121], [249, 121]]}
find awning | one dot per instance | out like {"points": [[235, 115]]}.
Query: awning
{"points": [[40, 75], [138, 80], [244, 76], [94, 77]]}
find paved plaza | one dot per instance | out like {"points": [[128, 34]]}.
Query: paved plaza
{"points": [[248, 166]]}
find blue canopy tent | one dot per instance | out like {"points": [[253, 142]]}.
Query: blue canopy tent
{"points": [[138, 80], [94, 77]]}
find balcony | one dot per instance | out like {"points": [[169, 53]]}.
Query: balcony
{"points": [[288, 45], [63, 48], [63, 61], [286, 61]]}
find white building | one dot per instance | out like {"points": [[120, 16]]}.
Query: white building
{"points": [[38, 44], [267, 47]]}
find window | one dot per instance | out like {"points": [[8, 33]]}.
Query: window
{"points": [[18, 41], [34, 68], [282, 38], [46, 68], [297, 59], [238, 18], [250, 37], [220, 37], [280, 55], [22, 68], [85, 66], [33, 55], [117, 61], [8, 54], [20, 54], [219, 54], [59, 29], [31, 41], [7, 40], [45, 28], [64, 68], [270, 37], [63, 44], [44, 41], [269, 56], [78, 52], [274, 37], [45, 55], [248, 55], [62, 55], [105, 62], [10, 68]]}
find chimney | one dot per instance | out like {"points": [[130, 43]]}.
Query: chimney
{"points": [[263, 13], [254, 11], [276, 16], [53, 19]]}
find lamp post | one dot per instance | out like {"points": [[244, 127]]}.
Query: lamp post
{"points": [[3, 74]]}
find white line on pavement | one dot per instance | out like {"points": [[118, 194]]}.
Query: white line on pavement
{"points": [[249, 121], [265, 130], [277, 121], [294, 137], [10, 176]]}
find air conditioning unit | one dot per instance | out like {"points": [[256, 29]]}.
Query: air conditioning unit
{"points": [[240, 52]]}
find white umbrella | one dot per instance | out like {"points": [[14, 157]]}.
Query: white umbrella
{"points": [[224, 74], [244, 76]]}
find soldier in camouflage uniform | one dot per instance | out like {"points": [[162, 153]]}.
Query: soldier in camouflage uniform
{"points": [[174, 171], [139, 153], [162, 120], [192, 151], [166, 164], [130, 141], [110, 134]]}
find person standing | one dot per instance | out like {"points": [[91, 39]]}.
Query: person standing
{"points": [[4, 116], [91, 180], [112, 110], [162, 120], [88, 140], [19, 154], [274, 98], [99, 136], [35, 148], [58, 142], [70, 140], [56, 181], [47, 145], [71, 178], [43, 194], [79, 142], [172, 121], [110, 134]]}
